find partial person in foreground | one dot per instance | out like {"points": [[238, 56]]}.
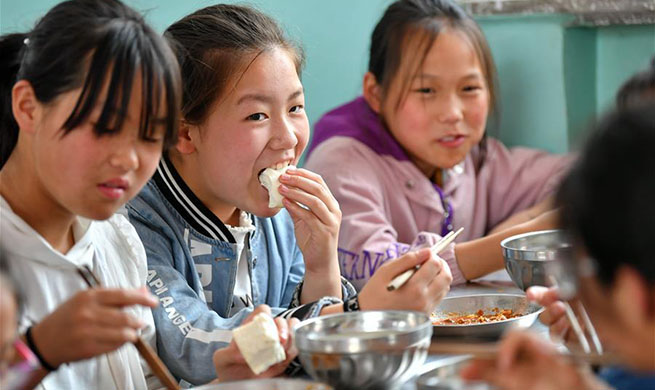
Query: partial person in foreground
{"points": [[614, 264], [638, 90], [18, 365]]}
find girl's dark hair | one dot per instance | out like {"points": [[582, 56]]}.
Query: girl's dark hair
{"points": [[419, 22], [637, 88], [85, 43], [217, 42], [607, 198]]}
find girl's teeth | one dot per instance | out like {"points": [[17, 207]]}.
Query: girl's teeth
{"points": [[448, 139]]}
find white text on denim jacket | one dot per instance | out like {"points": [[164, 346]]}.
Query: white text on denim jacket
{"points": [[158, 287], [362, 265]]}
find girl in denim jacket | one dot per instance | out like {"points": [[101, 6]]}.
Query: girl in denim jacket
{"points": [[215, 249]]}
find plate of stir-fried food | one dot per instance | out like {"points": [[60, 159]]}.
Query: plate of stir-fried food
{"points": [[485, 316]]}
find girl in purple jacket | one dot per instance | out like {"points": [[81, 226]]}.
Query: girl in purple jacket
{"points": [[414, 159]]}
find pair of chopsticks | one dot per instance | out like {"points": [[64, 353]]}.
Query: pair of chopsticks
{"points": [[158, 367], [401, 279], [577, 328], [489, 351]]}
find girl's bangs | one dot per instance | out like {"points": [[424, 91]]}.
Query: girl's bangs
{"points": [[416, 40], [122, 51]]}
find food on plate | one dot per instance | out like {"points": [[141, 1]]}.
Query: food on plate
{"points": [[476, 318], [270, 179], [259, 343]]}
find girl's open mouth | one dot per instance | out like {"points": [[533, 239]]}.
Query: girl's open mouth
{"points": [[452, 141]]}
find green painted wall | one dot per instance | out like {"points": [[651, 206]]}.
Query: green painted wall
{"points": [[553, 78], [622, 51], [580, 74], [528, 51]]}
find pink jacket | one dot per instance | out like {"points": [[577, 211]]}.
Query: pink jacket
{"points": [[390, 207]]}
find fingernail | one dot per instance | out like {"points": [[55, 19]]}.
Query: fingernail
{"points": [[283, 188], [152, 298], [284, 176]]}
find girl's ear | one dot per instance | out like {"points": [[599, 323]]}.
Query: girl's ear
{"points": [[186, 136], [24, 105], [371, 91]]}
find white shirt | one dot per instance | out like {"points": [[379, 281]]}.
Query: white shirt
{"points": [[115, 254], [242, 294]]}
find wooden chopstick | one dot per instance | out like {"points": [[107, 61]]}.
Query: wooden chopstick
{"points": [[156, 365], [401, 279], [489, 351]]}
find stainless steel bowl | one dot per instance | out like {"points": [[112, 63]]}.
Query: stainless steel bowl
{"points": [[531, 257], [364, 350], [266, 384], [468, 304]]}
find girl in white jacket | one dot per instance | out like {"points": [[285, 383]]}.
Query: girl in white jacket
{"points": [[89, 98]]}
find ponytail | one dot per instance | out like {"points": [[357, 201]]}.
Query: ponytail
{"points": [[11, 52]]}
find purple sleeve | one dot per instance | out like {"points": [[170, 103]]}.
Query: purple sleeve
{"points": [[367, 238], [518, 178]]}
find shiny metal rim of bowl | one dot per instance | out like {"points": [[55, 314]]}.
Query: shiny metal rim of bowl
{"points": [[533, 311], [522, 246], [363, 331], [266, 384]]}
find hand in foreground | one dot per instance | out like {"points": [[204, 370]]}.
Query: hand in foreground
{"points": [[231, 365], [526, 361], [316, 227], [554, 315], [89, 324], [422, 292]]}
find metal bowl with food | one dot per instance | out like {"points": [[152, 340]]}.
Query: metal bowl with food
{"points": [[364, 350], [267, 384], [524, 314], [531, 258]]}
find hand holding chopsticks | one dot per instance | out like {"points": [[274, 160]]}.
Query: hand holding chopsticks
{"points": [[401, 279], [549, 298], [155, 363], [490, 351], [524, 360]]}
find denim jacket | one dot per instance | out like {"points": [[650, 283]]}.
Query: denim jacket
{"points": [[192, 267]]}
